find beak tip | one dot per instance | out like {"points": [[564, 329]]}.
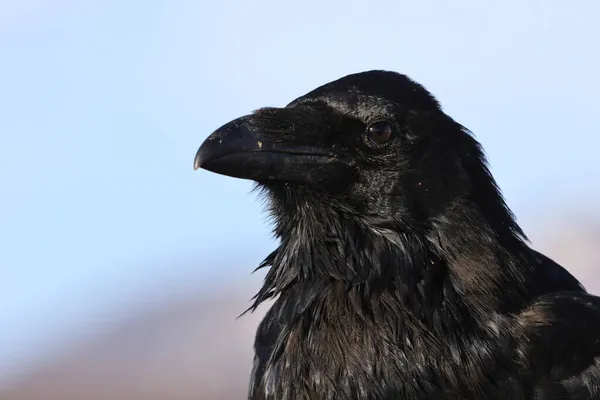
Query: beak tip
{"points": [[198, 161]]}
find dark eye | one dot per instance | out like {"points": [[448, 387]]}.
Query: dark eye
{"points": [[380, 132]]}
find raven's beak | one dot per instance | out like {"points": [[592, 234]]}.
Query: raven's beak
{"points": [[249, 148]]}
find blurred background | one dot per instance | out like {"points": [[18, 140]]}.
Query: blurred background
{"points": [[122, 271]]}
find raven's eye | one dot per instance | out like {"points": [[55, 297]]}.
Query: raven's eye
{"points": [[379, 132]]}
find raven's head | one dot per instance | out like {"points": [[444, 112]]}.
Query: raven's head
{"points": [[374, 144], [371, 184]]}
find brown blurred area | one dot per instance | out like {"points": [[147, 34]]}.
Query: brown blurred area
{"points": [[194, 348]]}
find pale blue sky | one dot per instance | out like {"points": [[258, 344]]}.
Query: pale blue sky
{"points": [[104, 103]]}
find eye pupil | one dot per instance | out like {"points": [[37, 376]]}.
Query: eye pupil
{"points": [[380, 132]]}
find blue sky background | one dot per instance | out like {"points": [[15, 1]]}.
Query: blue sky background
{"points": [[103, 105]]}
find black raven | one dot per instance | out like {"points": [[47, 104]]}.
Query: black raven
{"points": [[400, 273]]}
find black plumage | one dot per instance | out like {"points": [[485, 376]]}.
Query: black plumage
{"points": [[401, 273]]}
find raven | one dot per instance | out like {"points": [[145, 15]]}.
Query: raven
{"points": [[400, 273]]}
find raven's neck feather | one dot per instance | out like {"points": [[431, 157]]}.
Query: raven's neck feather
{"points": [[331, 251]]}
